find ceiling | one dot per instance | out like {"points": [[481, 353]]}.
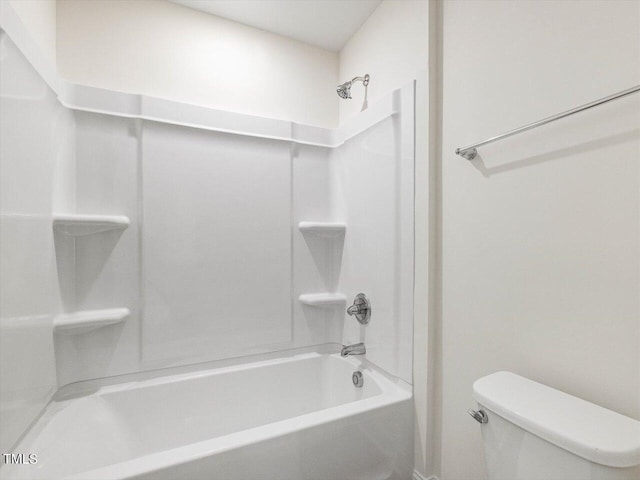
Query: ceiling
{"points": [[327, 24]]}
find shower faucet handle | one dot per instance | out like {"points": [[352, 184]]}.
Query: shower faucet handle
{"points": [[361, 309]]}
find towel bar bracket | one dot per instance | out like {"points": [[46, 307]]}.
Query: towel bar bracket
{"points": [[468, 153]]}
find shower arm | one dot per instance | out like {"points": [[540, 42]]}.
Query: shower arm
{"points": [[364, 80]]}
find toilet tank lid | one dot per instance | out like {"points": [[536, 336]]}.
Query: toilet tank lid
{"points": [[583, 428]]}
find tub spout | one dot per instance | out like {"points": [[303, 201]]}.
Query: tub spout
{"points": [[355, 349]]}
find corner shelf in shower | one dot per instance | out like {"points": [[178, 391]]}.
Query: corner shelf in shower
{"points": [[323, 229], [322, 299], [77, 225], [84, 321]]}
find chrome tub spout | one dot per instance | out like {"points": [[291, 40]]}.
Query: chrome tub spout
{"points": [[355, 349]]}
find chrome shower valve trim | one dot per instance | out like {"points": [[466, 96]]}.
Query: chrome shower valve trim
{"points": [[361, 309]]}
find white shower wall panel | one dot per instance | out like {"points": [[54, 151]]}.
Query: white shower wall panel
{"points": [[316, 259], [212, 262], [32, 153], [374, 178], [105, 267], [216, 244]]}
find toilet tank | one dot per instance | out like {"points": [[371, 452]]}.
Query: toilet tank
{"points": [[535, 432]]}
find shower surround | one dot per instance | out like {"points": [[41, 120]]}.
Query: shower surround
{"points": [[171, 241]]}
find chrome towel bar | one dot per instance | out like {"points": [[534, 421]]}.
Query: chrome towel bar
{"points": [[470, 152]]}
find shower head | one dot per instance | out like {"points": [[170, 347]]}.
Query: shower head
{"points": [[344, 90]]}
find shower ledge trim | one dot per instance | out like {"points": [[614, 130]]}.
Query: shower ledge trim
{"points": [[87, 320], [77, 225], [119, 104], [130, 105], [323, 229]]}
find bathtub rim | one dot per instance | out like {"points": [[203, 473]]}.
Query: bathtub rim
{"points": [[86, 387]]}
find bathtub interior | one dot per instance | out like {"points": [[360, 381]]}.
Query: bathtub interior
{"points": [[119, 422]]}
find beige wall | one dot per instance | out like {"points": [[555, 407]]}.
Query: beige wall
{"points": [[39, 17], [541, 234], [393, 47], [165, 50]]}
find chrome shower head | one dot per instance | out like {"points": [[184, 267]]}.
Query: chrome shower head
{"points": [[344, 90]]}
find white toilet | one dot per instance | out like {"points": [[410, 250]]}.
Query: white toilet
{"points": [[534, 432]]}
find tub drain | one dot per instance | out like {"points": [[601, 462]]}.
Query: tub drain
{"points": [[358, 379]]}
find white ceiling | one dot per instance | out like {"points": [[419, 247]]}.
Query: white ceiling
{"points": [[324, 23]]}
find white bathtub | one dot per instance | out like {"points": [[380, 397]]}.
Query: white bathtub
{"points": [[292, 418]]}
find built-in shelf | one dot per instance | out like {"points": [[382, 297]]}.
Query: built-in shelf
{"points": [[325, 229], [322, 299], [87, 320], [80, 225]]}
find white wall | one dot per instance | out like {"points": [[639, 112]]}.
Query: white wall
{"points": [[393, 47], [541, 234], [39, 17], [165, 50]]}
